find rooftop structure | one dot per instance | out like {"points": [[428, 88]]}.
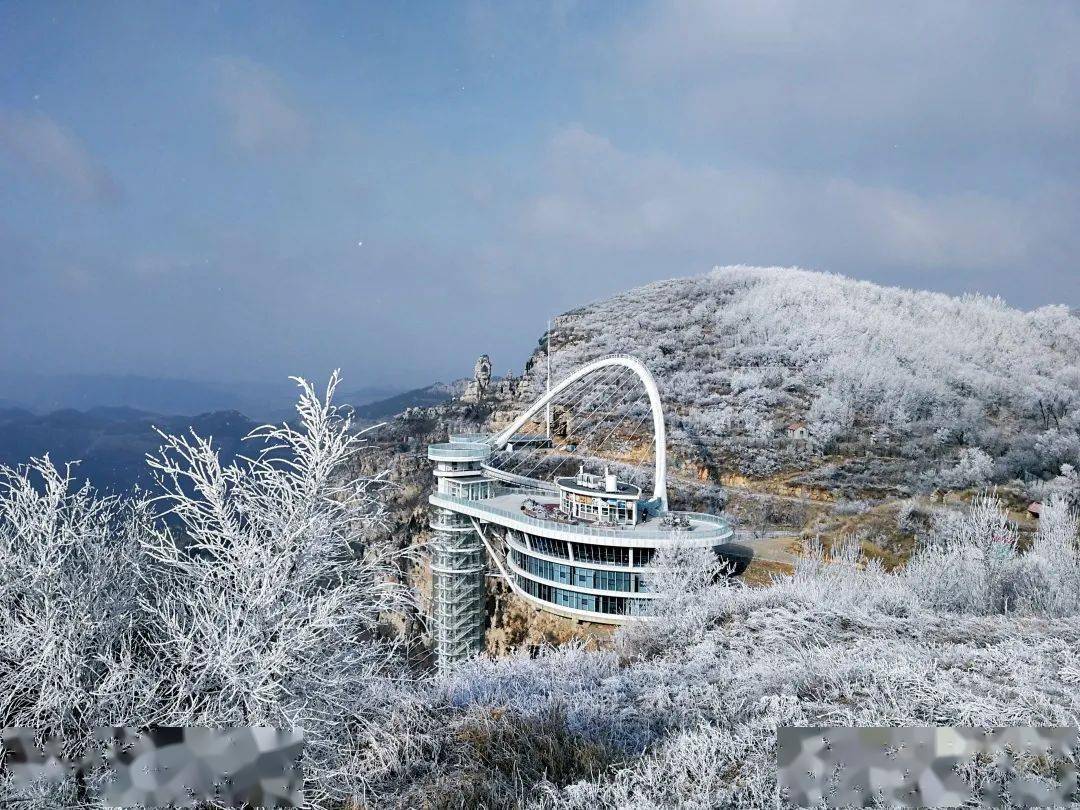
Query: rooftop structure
{"points": [[598, 499]]}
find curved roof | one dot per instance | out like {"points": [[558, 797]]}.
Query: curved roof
{"points": [[623, 492]]}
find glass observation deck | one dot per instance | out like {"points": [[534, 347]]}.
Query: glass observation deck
{"points": [[579, 568]]}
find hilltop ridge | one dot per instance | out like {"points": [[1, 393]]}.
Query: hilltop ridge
{"points": [[916, 389]]}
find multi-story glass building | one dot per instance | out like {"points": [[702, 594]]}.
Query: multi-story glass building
{"points": [[579, 546]]}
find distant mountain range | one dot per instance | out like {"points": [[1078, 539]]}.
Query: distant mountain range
{"points": [[262, 401], [113, 430], [426, 397], [110, 443]]}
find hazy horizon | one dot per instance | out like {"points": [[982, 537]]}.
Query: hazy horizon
{"points": [[222, 193]]}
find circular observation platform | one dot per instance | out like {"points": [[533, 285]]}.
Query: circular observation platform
{"points": [[459, 451]]}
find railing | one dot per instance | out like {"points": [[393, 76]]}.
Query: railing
{"points": [[722, 527], [469, 438], [525, 481], [516, 490], [523, 438], [459, 451]]}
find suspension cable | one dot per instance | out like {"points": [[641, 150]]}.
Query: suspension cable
{"points": [[593, 392], [522, 458], [592, 430]]}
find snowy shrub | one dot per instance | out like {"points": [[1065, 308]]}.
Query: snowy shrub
{"points": [[1047, 582], [907, 516], [1066, 486], [680, 576], [974, 468], [498, 758], [71, 616], [855, 507], [943, 437], [257, 596], [828, 418], [967, 560]]}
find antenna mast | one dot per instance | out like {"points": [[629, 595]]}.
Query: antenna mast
{"points": [[547, 389]]}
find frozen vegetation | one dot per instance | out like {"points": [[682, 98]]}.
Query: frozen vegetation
{"points": [[683, 712], [248, 594], [897, 387], [263, 592]]}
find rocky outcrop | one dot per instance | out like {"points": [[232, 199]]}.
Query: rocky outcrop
{"points": [[513, 625], [481, 380]]}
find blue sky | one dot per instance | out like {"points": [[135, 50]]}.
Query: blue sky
{"points": [[246, 191]]}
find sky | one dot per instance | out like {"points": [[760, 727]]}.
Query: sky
{"points": [[244, 191]]}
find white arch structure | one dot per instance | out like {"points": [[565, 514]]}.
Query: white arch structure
{"points": [[500, 440]]}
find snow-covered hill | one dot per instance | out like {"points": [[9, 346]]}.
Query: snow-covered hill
{"points": [[895, 385]]}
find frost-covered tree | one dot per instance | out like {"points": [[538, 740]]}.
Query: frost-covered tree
{"points": [[1048, 579], [679, 573], [974, 468], [1066, 486], [679, 576], [256, 593], [72, 628], [967, 560]]}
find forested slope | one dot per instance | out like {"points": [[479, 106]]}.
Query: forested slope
{"points": [[914, 388]]}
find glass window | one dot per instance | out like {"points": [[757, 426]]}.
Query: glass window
{"points": [[550, 547], [615, 605], [583, 577], [604, 555]]}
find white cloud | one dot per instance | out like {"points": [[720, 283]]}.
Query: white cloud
{"points": [[843, 69], [260, 114], [37, 143], [605, 199]]}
